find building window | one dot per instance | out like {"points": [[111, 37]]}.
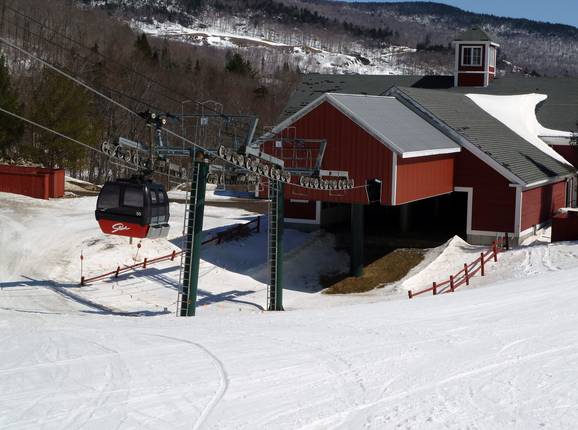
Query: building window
{"points": [[494, 57], [471, 56]]}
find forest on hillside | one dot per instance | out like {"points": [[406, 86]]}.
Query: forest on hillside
{"points": [[140, 72]]}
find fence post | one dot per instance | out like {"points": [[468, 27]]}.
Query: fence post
{"points": [[467, 275], [410, 294], [482, 263], [173, 255], [82, 281], [452, 288], [144, 264], [435, 289], [495, 252], [117, 271]]}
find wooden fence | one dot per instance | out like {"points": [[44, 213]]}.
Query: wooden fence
{"points": [[468, 271]]}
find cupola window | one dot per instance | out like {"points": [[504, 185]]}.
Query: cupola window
{"points": [[471, 56]]}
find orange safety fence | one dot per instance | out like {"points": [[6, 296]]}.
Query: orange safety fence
{"points": [[227, 234], [467, 272]]}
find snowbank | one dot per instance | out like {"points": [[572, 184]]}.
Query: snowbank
{"points": [[447, 260], [518, 113], [518, 263]]}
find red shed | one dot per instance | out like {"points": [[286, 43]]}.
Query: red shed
{"points": [[32, 181], [475, 56]]}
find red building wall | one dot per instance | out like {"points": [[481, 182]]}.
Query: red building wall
{"points": [[493, 200], [32, 181], [301, 210], [539, 204], [470, 79], [569, 152], [349, 148], [423, 177]]}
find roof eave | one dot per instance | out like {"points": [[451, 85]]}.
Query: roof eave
{"points": [[430, 152]]}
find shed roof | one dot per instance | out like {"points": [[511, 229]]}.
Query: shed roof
{"points": [[516, 155], [389, 121], [474, 34]]}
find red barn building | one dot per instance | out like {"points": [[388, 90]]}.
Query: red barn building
{"points": [[428, 145]]}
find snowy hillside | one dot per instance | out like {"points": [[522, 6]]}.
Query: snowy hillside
{"points": [[499, 354], [307, 54]]}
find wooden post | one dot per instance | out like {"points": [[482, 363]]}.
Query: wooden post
{"points": [[410, 294], [144, 264], [466, 272], [435, 289], [495, 252], [117, 272], [452, 283], [482, 263], [82, 281], [174, 253]]}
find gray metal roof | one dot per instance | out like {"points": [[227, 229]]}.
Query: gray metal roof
{"points": [[474, 34], [493, 138], [559, 111], [391, 122], [314, 85]]}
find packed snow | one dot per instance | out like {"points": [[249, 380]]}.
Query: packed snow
{"points": [[502, 353], [518, 113]]}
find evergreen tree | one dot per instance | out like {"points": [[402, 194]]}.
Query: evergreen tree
{"points": [[143, 46], [11, 129], [63, 106], [236, 64]]}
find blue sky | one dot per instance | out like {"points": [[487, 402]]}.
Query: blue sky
{"points": [[558, 11]]}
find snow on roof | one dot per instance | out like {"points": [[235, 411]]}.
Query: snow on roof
{"points": [[518, 113]]}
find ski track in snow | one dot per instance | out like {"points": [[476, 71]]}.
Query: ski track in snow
{"points": [[504, 356], [223, 384]]}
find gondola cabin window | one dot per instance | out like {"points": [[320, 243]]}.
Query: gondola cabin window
{"points": [[133, 197]]}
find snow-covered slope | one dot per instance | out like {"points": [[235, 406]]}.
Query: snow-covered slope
{"points": [[500, 357], [41, 243], [307, 53]]}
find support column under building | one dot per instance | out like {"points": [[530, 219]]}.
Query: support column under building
{"points": [[357, 240], [404, 218]]}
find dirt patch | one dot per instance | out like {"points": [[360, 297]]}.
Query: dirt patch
{"points": [[390, 268]]}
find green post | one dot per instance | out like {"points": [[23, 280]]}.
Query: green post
{"points": [[194, 238], [276, 218], [357, 233]]}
